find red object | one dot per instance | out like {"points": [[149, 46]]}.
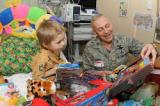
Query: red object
{"points": [[97, 82], [113, 102], [39, 102], [94, 96]]}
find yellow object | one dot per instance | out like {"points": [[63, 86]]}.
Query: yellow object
{"points": [[10, 3], [1, 28], [24, 32], [141, 64], [119, 68], [13, 101], [1, 98], [41, 19]]}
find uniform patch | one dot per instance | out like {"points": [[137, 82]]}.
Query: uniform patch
{"points": [[99, 63]]}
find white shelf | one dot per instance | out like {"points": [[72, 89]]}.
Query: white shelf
{"points": [[83, 37]]}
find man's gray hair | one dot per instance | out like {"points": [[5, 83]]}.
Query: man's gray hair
{"points": [[95, 17]]}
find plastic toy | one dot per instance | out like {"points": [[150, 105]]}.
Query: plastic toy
{"points": [[8, 30], [43, 17], [20, 12], [6, 16], [112, 77], [34, 14], [1, 28]]}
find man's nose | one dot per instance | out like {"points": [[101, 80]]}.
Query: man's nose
{"points": [[105, 30]]}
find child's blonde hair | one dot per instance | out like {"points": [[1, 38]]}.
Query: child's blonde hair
{"points": [[48, 30]]}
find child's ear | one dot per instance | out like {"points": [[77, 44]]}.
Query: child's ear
{"points": [[45, 46]]}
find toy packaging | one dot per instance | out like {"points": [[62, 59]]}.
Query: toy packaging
{"points": [[5, 89], [68, 66], [131, 78], [8, 94], [83, 88], [94, 97]]}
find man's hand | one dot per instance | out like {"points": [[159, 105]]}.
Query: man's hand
{"points": [[147, 50]]}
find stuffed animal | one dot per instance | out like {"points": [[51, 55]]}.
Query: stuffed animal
{"points": [[40, 88]]}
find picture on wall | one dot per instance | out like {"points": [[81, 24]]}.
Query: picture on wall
{"points": [[143, 21], [123, 8]]}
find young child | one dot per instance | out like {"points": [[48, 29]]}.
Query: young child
{"points": [[52, 38]]}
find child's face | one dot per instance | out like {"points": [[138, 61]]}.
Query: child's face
{"points": [[58, 44]]}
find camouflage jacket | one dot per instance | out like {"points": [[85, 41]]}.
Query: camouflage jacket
{"points": [[97, 57]]}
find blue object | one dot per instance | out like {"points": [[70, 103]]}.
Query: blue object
{"points": [[56, 19], [100, 99], [146, 61], [68, 66], [33, 26], [6, 16], [131, 103]]}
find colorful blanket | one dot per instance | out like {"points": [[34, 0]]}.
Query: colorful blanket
{"points": [[15, 54]]}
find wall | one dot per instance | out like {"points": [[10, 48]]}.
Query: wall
{"points": [[124, 25]]}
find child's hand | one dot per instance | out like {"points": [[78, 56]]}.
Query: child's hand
{"points": [[51, 72]]}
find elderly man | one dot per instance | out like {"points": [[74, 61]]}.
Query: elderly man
{"points": [[107, 51]]}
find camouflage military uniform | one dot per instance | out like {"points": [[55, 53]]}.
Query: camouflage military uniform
{"points": [[97, 57]]}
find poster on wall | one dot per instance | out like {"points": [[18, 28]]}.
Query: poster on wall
{"points": [[123, 8], [143, 21]]}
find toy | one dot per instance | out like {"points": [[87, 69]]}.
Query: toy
{"points": [[8, 30], [131, 103], [40, 20], [34, 14], [8, 94], [95, 97], [24, 32], [21, 100], [20, 12], [112, 77], [6, 16], [39, 102], [131, 80], [113, 102], [1, 28], [40, 88], [124, 70], [10, 3]]}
